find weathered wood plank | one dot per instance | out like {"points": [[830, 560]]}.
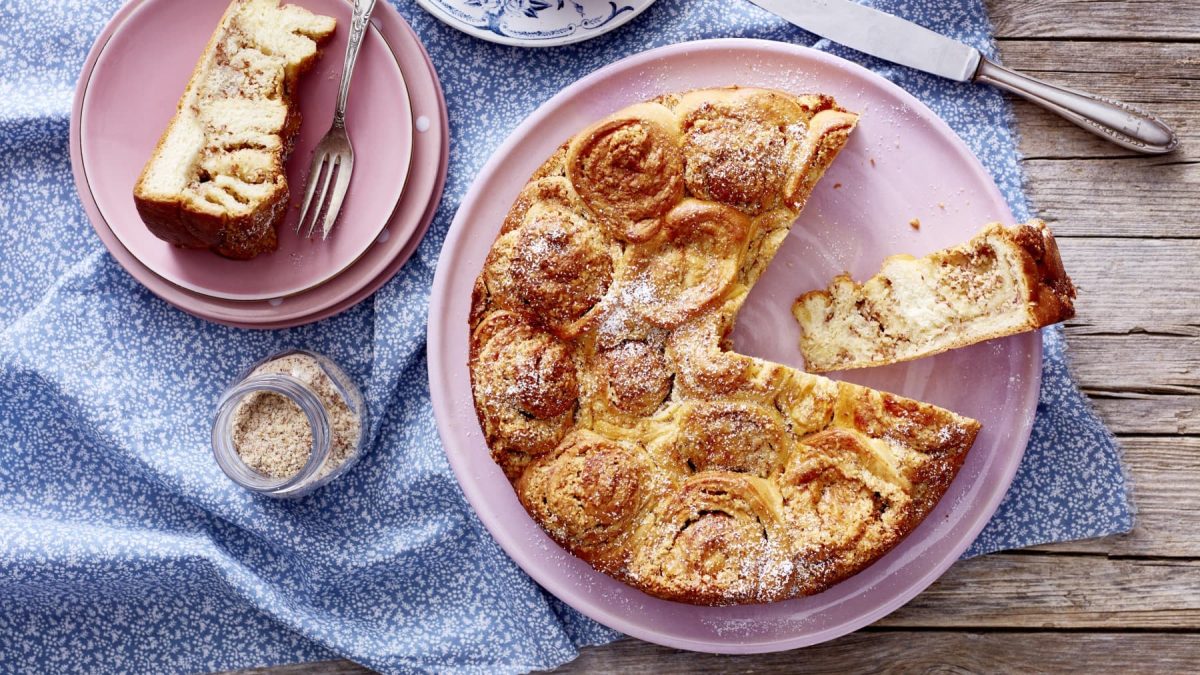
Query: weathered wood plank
{"points": [[1165, 472], [1136, 413], [1045, 591], [1136, 364], [916, 652], [1150, 285], [1162, 19], [1138, 383], [1129, 197], [1158, 72]]}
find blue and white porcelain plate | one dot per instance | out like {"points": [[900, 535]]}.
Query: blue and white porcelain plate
{"points": [[535, 23]]}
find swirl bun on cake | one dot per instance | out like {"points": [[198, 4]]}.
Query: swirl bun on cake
{"points": [[690, 263], [525, 387], [717, 539], [607, 391], [629, 169], [592, 490]]}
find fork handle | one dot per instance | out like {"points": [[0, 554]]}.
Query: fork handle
{"points": [[1118, 122], [358, 28]]}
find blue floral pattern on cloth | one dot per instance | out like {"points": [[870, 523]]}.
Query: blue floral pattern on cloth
{"points": [[123, 548]]}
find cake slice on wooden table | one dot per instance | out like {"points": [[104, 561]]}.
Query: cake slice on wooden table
{"points": [[1004, 281], [217, 178]]}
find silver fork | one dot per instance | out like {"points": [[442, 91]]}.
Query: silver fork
{"points": [[333, 158]]}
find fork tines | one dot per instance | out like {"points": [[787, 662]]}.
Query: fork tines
{"points": [[329, 167]]}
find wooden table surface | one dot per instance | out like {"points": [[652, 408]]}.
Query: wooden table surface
{"points": [[1129, 231]]}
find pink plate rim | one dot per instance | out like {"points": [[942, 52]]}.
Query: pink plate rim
{"points": [[448, 397], [410, 219]]}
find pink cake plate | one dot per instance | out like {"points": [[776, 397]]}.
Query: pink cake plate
{"points": [[901, 163], [318, 289]]}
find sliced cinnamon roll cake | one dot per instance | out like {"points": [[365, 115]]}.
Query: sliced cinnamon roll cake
{"points": [[1006, 280], [606, 389]]}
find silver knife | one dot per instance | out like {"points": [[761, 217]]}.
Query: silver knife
{"points": [[899, 41]]}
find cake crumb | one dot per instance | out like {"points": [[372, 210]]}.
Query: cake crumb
{"points": [[872, 162], [942, 205], [915, 223], [837, 186]]}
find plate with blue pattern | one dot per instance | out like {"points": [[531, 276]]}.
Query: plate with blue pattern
{"points": [[535, 23]]}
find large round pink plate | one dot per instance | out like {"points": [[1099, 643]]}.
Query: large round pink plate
{"points": [[421, 120], [901, 163]]}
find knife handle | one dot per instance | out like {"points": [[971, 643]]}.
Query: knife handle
{"points": [[1118, 122]]}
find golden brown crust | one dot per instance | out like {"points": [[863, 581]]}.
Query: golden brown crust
{"points": [[687, 470], [636, 376], [827, 133], [628, 168], [735, 436], [561, 268], [1053, 294], [716, 539], [591, 491], [689, 265], [525, 388], [741, 148], [240, 238]]}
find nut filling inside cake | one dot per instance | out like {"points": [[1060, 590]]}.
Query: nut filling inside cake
{"points": [[604, 383]]}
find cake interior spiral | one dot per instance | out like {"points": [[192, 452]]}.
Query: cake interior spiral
{"points": [[607, 391]]}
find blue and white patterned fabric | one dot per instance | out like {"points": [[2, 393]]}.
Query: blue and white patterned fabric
{"points": [[123, 548]]}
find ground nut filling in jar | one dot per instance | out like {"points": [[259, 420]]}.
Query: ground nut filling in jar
{"points": [[290, 425]]}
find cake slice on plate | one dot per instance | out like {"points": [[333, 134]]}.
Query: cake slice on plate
{"points": [[217, 178], [1004, 281]]}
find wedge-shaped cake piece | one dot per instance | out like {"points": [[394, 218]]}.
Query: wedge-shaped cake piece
{"points": [[217, 178], [1006, 280], [606, 389]]}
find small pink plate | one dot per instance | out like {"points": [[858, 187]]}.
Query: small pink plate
{"points": [[132, 92], [390, 249], [901, 163]]}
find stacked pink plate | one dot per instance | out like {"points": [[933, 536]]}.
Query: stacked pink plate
{"points": [[128, 91]]}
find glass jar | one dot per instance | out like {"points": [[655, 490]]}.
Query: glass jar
{"points": [[272, 410]]}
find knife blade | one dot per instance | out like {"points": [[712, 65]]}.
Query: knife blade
{"points": [[891, 38], [880, 34]]}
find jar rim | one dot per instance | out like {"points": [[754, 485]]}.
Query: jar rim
{"points": [[343, 384], [225, 452]]}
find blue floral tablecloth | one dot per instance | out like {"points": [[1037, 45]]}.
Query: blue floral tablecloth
{"points": [[123, 548]]}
